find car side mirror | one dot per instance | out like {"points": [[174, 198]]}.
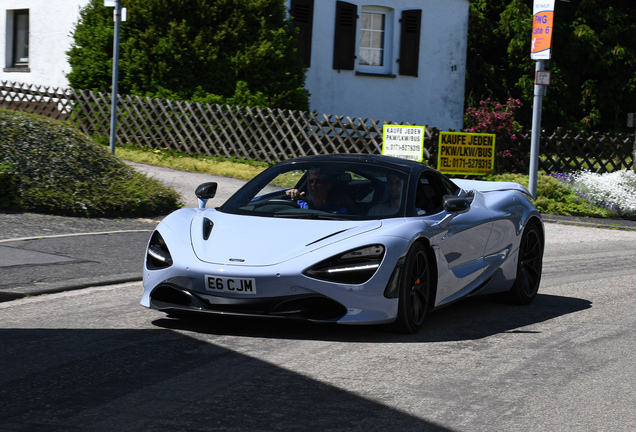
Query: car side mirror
{"points": [[204, 192], [456, 204], [453, 205]]}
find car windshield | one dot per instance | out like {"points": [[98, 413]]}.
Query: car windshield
{"points": [[333, 190]]}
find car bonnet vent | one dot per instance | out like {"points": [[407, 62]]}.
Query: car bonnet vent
{"points": [[207, 228], [325, 237]]}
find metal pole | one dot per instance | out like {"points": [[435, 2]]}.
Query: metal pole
{"points": [[113, 111], [539, 92]]}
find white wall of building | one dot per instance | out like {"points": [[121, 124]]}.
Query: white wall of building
{"points": [[434, 98], [50, 26]]}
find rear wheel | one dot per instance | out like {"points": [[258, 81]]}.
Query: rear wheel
{"points": [[415, 291], [529, 266]]}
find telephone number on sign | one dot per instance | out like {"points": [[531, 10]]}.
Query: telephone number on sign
{"points": [[233, 285], [465, 163]]}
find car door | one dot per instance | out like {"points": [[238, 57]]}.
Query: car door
{"points": [[460, 238]]}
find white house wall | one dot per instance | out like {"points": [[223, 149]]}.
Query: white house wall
{"points": [[50, 26], [434, 98]]}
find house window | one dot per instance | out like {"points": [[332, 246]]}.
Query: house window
{"points": [[372, 39], [18, 38], [374, 48], [369, 50]]}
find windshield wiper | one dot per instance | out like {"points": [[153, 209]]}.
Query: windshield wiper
{"points": [[303, 215], [309, 215]]}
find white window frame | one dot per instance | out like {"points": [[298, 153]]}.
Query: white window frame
{"points": [[387, 50]]}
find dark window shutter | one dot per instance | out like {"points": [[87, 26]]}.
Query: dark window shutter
{"points": [[410, 41], [302, 12], [344, 46]]}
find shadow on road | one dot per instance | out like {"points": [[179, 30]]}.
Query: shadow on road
{"points": [[470, 319], [158, 380]]}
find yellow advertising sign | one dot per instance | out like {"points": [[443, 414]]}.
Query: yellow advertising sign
{"points": [[466, 153]]}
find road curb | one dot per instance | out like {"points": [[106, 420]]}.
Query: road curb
{"points": [[15, 293], [619, 224]]}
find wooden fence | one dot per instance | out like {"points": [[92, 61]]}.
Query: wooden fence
{"points": [[261, 134], [273, 135], [563, 151]]}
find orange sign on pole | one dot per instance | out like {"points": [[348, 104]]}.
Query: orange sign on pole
{"points": [[542, 26]]}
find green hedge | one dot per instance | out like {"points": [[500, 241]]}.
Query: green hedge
{"points": [[51, 167]]}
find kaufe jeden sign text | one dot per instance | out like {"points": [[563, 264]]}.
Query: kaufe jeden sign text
{"points": [[406, 142], [466, 153]]}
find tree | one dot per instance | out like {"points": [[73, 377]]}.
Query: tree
{"points": [[222, 51], [593, 61]]}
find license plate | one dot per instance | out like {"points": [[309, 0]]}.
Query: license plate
{"points": [[234, 285]]}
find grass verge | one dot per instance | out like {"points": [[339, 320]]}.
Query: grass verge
{"points": [[244, 170]]}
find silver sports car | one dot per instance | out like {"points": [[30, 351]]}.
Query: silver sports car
{"points": [[353, 239]]}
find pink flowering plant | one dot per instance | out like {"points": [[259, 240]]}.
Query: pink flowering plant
{"points": [[493, 117]]}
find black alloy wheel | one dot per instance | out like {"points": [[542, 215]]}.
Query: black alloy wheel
{"points": [[415, 291], [529, 266]]}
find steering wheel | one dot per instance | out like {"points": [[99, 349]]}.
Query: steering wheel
{"points": [[289, 203]]}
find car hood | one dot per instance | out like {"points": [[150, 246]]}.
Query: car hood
{"points": [[263, 241]]}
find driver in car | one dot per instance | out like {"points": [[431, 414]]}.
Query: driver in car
{"points": [[320, 193]]}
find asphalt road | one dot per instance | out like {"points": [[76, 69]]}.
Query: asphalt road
{"points": [[94, 360]]}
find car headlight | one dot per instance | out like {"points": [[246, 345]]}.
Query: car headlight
{"points": [[157, 256], [352, 267]]}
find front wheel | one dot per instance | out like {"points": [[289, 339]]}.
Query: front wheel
{"points": [[415, 291]]}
